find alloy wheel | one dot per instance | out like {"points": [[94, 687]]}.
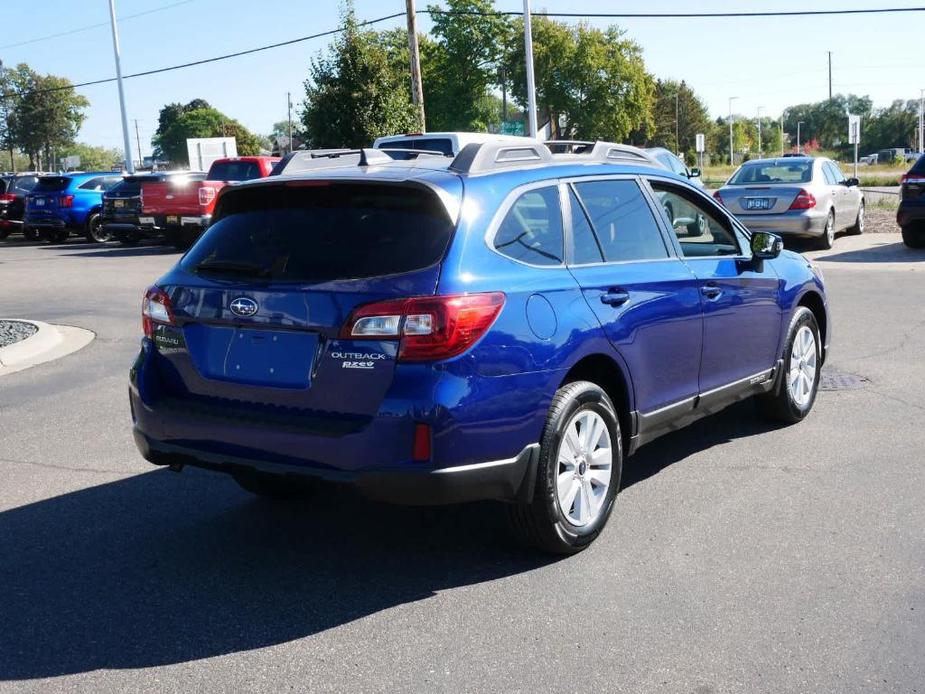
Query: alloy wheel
{"points": [[801, 377], [584, 467]]}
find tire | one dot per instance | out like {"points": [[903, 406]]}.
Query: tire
{"points": [[545, 522], [272, 486], [827, 240], [857, 228], [4, 233], [794, 400], [914, 238], [699, 227], [94, 230], [30, 233]]}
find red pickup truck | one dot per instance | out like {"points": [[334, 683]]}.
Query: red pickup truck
{"points": [[182, 208]]}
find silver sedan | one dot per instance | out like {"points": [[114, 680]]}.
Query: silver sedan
{"points": [[795, 196]]}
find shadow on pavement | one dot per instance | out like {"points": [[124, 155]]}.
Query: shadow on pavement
{"points": [[881, 253], [160, 568]]}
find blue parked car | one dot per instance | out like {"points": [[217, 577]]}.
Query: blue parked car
{"points": [[61, 204], [508, 324]]}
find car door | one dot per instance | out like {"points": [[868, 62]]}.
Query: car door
{"points": [[741, 314], [846, 198], [644, 296]]}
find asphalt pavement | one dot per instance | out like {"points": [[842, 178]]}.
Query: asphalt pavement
{"points": [[741, 557]]}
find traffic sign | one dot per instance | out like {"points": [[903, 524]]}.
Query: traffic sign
{"points": [[701, 143]]}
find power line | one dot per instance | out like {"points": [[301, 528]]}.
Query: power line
{"points": [[684, 15], [95, 26], [574, 15]]}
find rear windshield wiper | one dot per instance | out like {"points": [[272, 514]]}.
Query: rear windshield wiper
{"points": [[232, 267]]}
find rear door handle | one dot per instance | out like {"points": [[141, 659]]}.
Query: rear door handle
{"points": [[615, 297], [711, 291]]}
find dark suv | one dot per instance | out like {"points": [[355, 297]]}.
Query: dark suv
{"points": [[911, 213], [122, 206], [508, 325], [13, 191]]}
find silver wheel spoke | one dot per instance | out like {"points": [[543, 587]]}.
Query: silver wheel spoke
{"points": [[584, 467], [600, 477], [568, 499]]}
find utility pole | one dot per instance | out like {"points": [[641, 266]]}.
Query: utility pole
{"points": [[677, 122], [830, 75], [138, 142], [759, 131], [417, 90], [731, 149], [799, 145], [6, 111], [289, 116], [531, 83], [782, 133], [922, 121], [129, 166]]}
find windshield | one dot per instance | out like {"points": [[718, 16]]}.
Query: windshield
{"points": [[323, 232], [773, 173]]}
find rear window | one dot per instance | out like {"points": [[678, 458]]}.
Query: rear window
{"points": [[321, 233], [52, 184], [126, 188], [429, 144], [234, 171], [919, 166], [773, 172]]}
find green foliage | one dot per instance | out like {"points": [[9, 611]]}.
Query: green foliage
{"points": [[44, 112], [461, 65], [93, 158], [178, 122], [356, 92], [590, 84], [692, 118]]}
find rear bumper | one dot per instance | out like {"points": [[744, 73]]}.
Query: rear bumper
{"points": [[910, 213], [45, 222], [806, 223], [509, 479]]}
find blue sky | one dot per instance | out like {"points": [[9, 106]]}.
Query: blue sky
{"points": [[767, 62]]}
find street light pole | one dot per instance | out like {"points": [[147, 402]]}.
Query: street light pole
{"points": [[677, 123], [799, 145], [782, 133], [759, 131], [531, 83], [126, 141], [922, 121], [731, 150], [289, 116]]}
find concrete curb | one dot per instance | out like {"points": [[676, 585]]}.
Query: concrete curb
{"points": [[50, 342]]}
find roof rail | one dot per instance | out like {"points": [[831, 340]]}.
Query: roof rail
{"points": [[603, 151], [314, 159], [479, 157]]}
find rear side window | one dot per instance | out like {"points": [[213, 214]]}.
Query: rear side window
{"points": [[531, 231], [622, 220], [323, 232], [234, 171], [585, 247]]}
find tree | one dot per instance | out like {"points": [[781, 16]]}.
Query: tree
{"points": [[92, 158], [178, 122], [675, 101], [47, 113], [590, 84], [461, 64], [893, 126], [355, 93]]}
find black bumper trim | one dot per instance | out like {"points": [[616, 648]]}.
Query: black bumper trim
{"points": [[512, 479]]}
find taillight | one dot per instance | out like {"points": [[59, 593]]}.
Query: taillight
{"points": [[66, 201], [906, 178], [206, 195], [7, 197], [718, 198], [429, 328], [155, 308], [803, 201]]}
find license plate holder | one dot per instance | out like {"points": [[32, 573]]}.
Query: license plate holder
{"points": [[173, 219], [118, 203], [146, 221], [40, 202]]}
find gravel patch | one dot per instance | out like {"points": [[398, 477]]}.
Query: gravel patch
{"points": [[880, 221], [15, 331]]}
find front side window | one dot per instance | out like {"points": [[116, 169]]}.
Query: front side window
{"points": [[701, 231], [622, 220], [532, 229]]}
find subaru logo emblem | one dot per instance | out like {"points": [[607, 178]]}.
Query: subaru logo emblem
{"points": [[242, 306]]}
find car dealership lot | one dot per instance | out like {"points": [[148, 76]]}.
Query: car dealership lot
{"points": [[740, 557]]}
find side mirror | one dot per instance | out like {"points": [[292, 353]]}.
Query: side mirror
{"points": [[766, 246], [852, 182], [694, 173]]}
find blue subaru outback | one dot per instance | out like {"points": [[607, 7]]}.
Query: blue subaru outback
{"points": [[510, 324]]}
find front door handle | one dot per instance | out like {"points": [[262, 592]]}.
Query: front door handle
{"points": [[711, 291], [615, 297]]}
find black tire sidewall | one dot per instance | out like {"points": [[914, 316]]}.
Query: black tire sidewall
{"points": [[581, 396], [95, 220], [802, 317]]}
